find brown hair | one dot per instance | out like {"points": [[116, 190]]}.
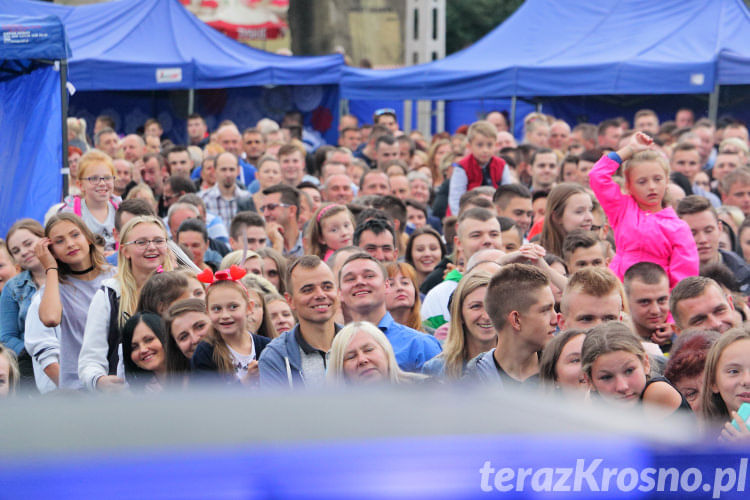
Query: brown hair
{"points": [[609, 337], [513, 288], [315, 227], [595, 281], [393, 268], [553, 233], [551, 355], [222, 357], [95, 255], [714, 407], [176, 361]]}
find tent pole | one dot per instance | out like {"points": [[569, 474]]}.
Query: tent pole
{"points": [[408, 106], [191, 101], [64, 113], [713, 104], [513, 102]]}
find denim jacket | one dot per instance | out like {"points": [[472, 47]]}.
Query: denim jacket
{"points": [[14, 303]]}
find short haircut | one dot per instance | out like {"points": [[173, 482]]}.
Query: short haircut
{"points": [[721, 274], [377, 226], [607, 124], [159, 158], [419, 206], [480, 214], [196, 116], [106, 120], [695, 204], [394, 207], [388, 139], [289, 195], [370, 172], [645, 112], [474, 198], [362, 256], [179, 206], [104, 131], [588, 131], [684, 146], [542, 151], [305, 262], [195, 225], [245, 218], [180, 184], [193, 199], [647, 272], [578, 239], [739, 175], [514, 287], [135, 206], [594, 281], [289, 149], [688, 288], [178, 148], [483, 128]]}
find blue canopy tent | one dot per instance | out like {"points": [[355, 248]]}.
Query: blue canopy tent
{"points": [[32, 111], [156, 45], [551, 48]]}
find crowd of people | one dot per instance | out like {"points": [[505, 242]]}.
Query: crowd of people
{"points": [[603, 263]]}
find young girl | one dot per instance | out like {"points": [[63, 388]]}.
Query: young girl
{"points": [[15, 300], [186, 325], [279, 314], [75, 270], [142, 250], [143, 341], [726, 382], [569, 207], [644, 229], [402, 296], [617, 368], [274, 268], [9, 373], [471, 331], [332, 228], [232, 350], [560, 364], [97, 204], [8, 268]]}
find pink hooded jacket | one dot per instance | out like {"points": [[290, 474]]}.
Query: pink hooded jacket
{"points": [[660, 237]]}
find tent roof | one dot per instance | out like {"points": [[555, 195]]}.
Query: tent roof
{"points": [[26, 38], [552, 48], [158, 44]]}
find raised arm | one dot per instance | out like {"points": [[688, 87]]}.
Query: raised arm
{"points": [[50, 308]]}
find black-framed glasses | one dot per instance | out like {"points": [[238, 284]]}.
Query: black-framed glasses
{"points": [[96, 179], [273, 206]]}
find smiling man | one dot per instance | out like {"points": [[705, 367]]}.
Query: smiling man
{"points": [[362, 283], [298, 357], [699, 302]]}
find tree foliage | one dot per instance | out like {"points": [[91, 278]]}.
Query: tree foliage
{"points": [[468, 21]]}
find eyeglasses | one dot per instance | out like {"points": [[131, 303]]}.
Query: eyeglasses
{"points": [[143, 243], [96, 179], [385, 111], [273, 206]]}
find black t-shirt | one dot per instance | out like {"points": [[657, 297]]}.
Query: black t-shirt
{"points": [[507, 379]]}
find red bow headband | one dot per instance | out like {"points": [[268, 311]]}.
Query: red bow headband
{"points": [[234, 273]]}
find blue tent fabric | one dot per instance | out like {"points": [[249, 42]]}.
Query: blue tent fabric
{"points": [[158, 44], [594, 47], [30, 117]]}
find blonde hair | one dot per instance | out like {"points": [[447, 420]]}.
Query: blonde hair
{"points": [[713, 406], [609, 337], [78, 127], [14, 374], [129, 289], [315, 227], [456, 351], [646, 157], [414, 320], [483, 128], [335, 372], [234, 258]]}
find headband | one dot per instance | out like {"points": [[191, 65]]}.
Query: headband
{"points": [[324, 210], [234, 273]]}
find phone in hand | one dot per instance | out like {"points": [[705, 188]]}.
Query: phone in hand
{"points": [[744, 414]]}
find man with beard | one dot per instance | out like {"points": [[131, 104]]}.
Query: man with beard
{"points": [[223, 197]]}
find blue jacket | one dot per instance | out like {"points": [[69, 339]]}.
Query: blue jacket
{"points": [[482, 369], [280, 363], [14, 303], [435, 367], [412, 348]]}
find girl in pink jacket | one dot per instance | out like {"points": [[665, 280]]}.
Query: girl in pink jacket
{"points": [[644, 229]]}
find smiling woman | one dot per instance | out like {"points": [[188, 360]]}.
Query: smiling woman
{"points": [[143, 341], [361, 353]]}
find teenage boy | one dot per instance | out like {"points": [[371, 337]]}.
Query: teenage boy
{"points": [[520, 303], [479, 167], [583, 249], [647, 292], [591, 297]]}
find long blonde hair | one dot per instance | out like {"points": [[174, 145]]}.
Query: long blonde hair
{"points": [[335, 372], [456, 351], [129, 290]]}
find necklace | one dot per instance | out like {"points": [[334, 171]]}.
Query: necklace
{"points": [[84, 271]]}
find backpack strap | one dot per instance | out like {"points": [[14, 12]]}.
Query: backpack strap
{"points": [[113, 334], [77, 206]]}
